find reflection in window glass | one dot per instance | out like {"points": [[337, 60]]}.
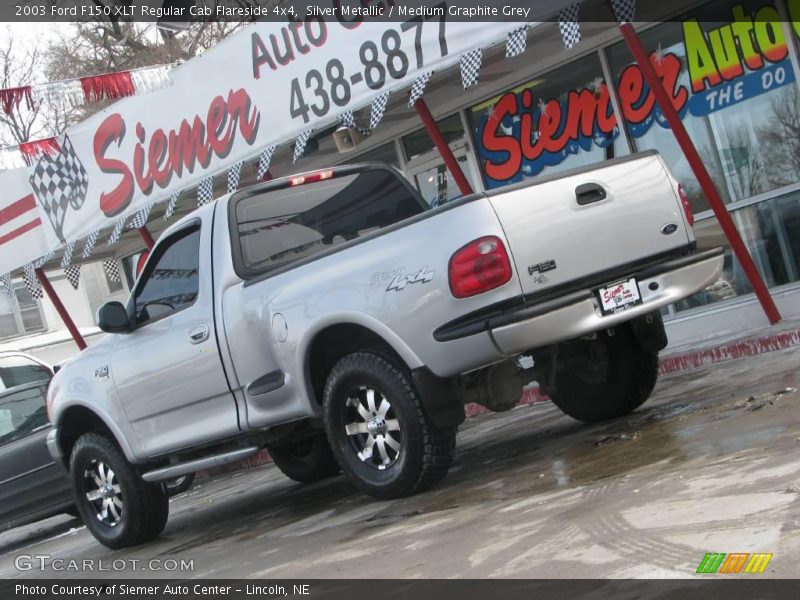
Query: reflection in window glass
{"points": [[18, 370], [437, 186], [21, 412], [560, 120], [172, 283], [771, 231], [740, 105]]}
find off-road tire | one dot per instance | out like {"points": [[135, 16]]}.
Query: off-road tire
{"points": [[426, 452], [145, 505], [628, 378], [307, 460]]}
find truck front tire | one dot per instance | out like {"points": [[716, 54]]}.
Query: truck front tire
{"points": [[307, 460], [605, 377], [118, 507], [378, 430]]}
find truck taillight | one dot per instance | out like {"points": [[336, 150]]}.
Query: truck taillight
{"points": [[311, 177], [687, 208], [478, 267]]}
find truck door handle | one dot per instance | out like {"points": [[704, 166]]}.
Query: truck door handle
{"points": [[586, 193], [198, 334]]}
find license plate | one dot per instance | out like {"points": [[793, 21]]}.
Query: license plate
{"points": [[619, 296]]}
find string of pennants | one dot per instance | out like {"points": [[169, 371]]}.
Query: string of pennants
{"points": [[470, 64], [70, 93]]}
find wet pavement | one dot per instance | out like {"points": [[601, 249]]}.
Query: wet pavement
{"points": [[710, 464]]}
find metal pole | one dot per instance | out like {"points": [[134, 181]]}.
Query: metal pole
{"points": [[60, 309], [442, 146], [700, 171], [146, 237]]}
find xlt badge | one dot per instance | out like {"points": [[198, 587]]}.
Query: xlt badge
{"points": [[542, 267]]}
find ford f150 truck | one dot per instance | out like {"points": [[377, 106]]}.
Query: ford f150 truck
{"points": [[337, 320]]}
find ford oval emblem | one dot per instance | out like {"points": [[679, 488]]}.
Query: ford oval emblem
{"points": [[669, 228]]}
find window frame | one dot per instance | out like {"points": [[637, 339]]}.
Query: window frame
{"points": [[16, 313], [249, 274], [38, 428], [157, 253]]}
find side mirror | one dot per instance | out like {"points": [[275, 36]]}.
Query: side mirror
{"points": [[113, 318]]}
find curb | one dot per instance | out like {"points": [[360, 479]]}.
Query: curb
{"points": [[731, 351]]}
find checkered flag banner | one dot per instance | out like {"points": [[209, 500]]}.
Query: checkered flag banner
{"points": [[173, 202], [624, 10], [264, 160], [39, 262], [569, 26], [111, 269], [205, 191], [117, 232], [31, 282], [60, 182], [418, 87], [88, 245], [377, 109], [348, 119], [140, 217], [300, 144], [517, 42], [73, 275], [69, 250], [471, 67], [8, 287], [234, 173]]}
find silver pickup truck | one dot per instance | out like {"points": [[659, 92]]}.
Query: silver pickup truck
{"points": [[337, 320]]}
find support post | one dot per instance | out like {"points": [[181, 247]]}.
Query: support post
{"points": [[147, 238], [700, 171], [60, 309], [442, 146]]}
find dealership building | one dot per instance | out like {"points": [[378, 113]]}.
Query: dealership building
{"points": [[731, 70], [734, 82]]}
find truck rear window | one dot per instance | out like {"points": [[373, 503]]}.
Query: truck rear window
{"points": [[286, 224]]}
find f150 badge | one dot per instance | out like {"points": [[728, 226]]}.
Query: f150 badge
{"points": [[400, 281]]}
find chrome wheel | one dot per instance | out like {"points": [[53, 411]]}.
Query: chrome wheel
{"points": [[104, 493], [372, 428]]}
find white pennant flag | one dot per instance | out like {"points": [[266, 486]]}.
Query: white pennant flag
{"points": [[569, 26], [418, 87], [624, 10], [471, 67], [234, 173], [300, 144], [264, 160]]}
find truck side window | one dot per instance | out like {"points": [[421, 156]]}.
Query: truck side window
{"points": [[283, 225], [21, 412], [170, 281]]}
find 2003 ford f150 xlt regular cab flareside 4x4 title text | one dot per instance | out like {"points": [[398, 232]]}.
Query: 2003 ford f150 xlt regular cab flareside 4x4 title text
{"points": [[335, 319]]}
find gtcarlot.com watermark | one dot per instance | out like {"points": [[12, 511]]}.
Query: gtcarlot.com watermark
{"points": [[46, 562]]}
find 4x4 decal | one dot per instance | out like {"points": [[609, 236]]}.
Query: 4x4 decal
{"points": [[424, 275]]}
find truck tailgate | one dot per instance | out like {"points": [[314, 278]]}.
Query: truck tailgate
{"points": [[582, 224]]}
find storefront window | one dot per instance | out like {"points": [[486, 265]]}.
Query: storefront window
{"points": [[734, 86], [771, 231], [419, 143], [385, 154], [558, 121]]}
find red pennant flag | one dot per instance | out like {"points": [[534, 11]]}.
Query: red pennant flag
{"points": [[11, 98], [32, 150], [110, 86]]}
